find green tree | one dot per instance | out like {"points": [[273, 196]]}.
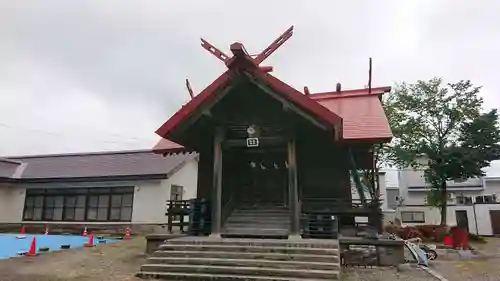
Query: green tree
{"points": [[445, 125]]}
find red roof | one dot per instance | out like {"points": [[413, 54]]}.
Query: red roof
{"points": [[168, 146], [362, 113], [358, 113], [213, 89]]}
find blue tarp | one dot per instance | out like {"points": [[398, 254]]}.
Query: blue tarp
{"points": [[10, 246]]}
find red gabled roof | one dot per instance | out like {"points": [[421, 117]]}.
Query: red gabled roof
{"points": [[168, 146], [239, 61], [187, 109], [358, 113], [362, 112]]}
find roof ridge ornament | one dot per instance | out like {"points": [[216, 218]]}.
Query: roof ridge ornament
{"points": [[256, 59]]}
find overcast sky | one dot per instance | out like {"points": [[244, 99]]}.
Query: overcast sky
{"points": [[103, 75]]}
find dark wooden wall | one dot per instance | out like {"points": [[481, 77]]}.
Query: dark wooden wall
{"points": [[206, 172], [323, 170]]}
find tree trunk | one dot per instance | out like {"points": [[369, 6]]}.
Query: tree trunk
{"points": [[444, 202]]}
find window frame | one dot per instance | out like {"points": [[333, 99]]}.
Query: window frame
{"points": [[81, 204], [413, 220], [176, 187]]}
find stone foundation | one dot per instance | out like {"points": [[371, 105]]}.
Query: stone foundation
{"points": [[373, 252]]}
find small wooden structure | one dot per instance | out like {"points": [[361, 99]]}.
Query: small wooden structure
{"points": [[263, 143]]}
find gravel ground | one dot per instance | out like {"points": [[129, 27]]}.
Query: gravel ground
{"points": [[484, 268], [386, 274], [118, 261], [477, 270]]}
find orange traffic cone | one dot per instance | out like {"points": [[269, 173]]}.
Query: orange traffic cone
{"points": [[21, 234], [127, 234], [90, 243], [85, 232], [32, 251], [46, 230]]}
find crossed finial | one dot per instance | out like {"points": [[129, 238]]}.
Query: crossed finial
{"points": [[258, 58]]}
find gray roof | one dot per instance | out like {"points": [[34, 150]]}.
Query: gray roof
{"points": [[100, 164], [8, 168]]}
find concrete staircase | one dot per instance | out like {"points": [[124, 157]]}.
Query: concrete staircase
{"points": [[204, 258], [258, 221]]}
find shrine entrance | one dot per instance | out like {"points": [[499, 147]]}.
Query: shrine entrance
{"points": [[262, 176]]}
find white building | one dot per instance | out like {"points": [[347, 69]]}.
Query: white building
{"points": [[472, 203], [132, 187], [111, 188], [388, 180]]}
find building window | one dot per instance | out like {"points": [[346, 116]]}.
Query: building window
{"points": [[413, 217], [486, 199], [392, 198], [464, 200], [81, 204], [176, 195], [176, 192]]}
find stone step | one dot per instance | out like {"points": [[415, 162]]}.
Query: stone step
{"points": [[303, 243], [263, 208], [251, 219], [253, 249], [256, 227], [248, 255], [250, 271], [220, 277], [264, 225], [250, 209], [255, 232], [260, 215], [244, 263], [253, 235]]}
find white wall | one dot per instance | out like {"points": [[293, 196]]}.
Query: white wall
{"points": [[478, 214], [11, 203], [150, 196], [150, 199], [414, 178], [431, 215]]}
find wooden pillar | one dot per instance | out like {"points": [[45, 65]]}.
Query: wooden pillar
{"points": [[293, 194], [217, 185]]}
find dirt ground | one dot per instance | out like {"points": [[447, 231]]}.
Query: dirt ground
{"points": [[120, 261], [485, 269], [386, 274]]}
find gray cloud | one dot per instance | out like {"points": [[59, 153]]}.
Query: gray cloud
{"points": [[104, 74]]}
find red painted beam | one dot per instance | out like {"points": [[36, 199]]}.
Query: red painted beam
{"points": [[274, 46], [266, 69], [214, 51], [239, 50]]}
